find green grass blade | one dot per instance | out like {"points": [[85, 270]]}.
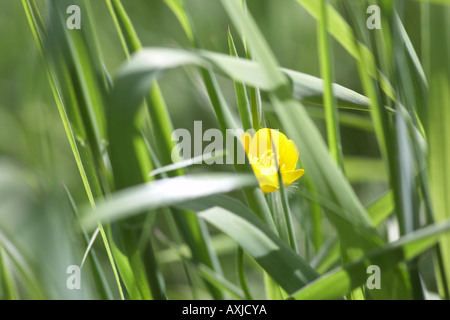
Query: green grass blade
{"points": [[178, 8], [160, 193], [131, 43], [36, 27], [221, 243], [188, 162], [219, 282], [128, 36], [245, 21], [343, 33], [354, 226], [161, 123], [142, 69], [316, 217], [241, 92], [241, 274], [379, 210], [307, 88], [363, 170], [215, 279], [124, 269], [21, 264], [329, 180], [288, 220], [378, 111], [438, 129], [7, 284], [340, 281], [254, 92], [230, 216], [310, 89], [82, 159], [99, 276], [436, 1], [326, 66], [411, 51]]}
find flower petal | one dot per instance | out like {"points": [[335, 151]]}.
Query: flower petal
{"points": [[259, 144], [246, 139], [264, 178], [261, 150], [268, 188], [291, 176], [288, 157], [264, 139]]}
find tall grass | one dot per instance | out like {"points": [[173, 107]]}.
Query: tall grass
{"points": [[172, 229]]}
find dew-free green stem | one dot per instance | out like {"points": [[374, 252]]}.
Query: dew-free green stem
{"points": [[241, 92], [326, 66], [241, 273]]}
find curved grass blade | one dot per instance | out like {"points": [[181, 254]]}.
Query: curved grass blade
{"points": [[8, 287], [342, 280], [22, 266], [230, 216], [99, 276], [307, 88], [378, 211], [165, 192], [215, 279], [343, 33], [188, 162]]}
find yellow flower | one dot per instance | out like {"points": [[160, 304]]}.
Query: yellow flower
{"points": [[261, 155]]}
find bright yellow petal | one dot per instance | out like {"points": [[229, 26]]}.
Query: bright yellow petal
{"points": [[263, 141], [288, 156], [265, 178], [269, 183], [259, 144], [268, 188], [291, 176], [279, 140], [261, 150], [246, 139]]}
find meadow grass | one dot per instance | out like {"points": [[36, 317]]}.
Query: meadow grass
{"points": [[145, 223]]}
